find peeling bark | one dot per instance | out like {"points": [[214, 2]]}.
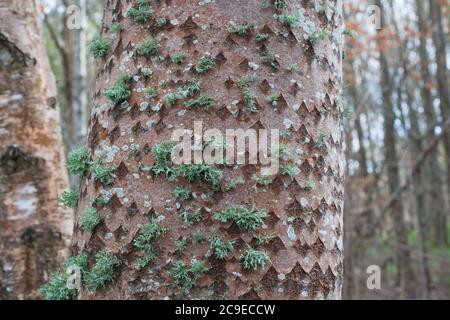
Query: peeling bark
{"points": [[34, 229], [306, 251]]}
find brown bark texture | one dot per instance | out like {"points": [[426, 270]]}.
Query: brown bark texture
{"points": [[306, 224], [34, 229]]}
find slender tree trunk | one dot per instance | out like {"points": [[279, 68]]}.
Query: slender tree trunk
{"points": [[416, 149], [362, 149], [403, 259], [350, 261], [439, 40], [69, 77], [415, 137], [34, 229], [437, 204], [304, 220], [362, 156], [80, 78], [353, 236]]}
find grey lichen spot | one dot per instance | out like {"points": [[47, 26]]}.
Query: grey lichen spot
{"points": [[143, 106], [156, 107], [108, 235], [307, 25], [281, 277], [8, 267], [307, 261], [205, 27], [320, 96], [288, 123], [107, 194], [291, 233], [253, 66], [106, 152], [150, 124], [303, 202], [203, 2]]}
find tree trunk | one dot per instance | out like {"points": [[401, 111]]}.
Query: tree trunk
{"points": [[419, 185], [302, 233], [34, 229], [439, 40], [364, 172], [80, 78], [69, 77], [403, 259], [437, 204]]}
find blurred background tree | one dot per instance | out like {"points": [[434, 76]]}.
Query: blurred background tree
{"points": [[397, 149], [74, 69]]}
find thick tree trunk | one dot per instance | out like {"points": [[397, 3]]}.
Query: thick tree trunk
{"points": [[304, 219], [34, 228]]}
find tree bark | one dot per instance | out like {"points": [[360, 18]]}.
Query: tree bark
{"points": [[306, 249], [34, 229]]}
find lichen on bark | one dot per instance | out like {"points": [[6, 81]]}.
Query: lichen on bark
{"points": [[299, 253]]}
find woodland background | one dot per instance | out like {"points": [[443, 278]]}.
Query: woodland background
{"points": [[398, 142]]}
